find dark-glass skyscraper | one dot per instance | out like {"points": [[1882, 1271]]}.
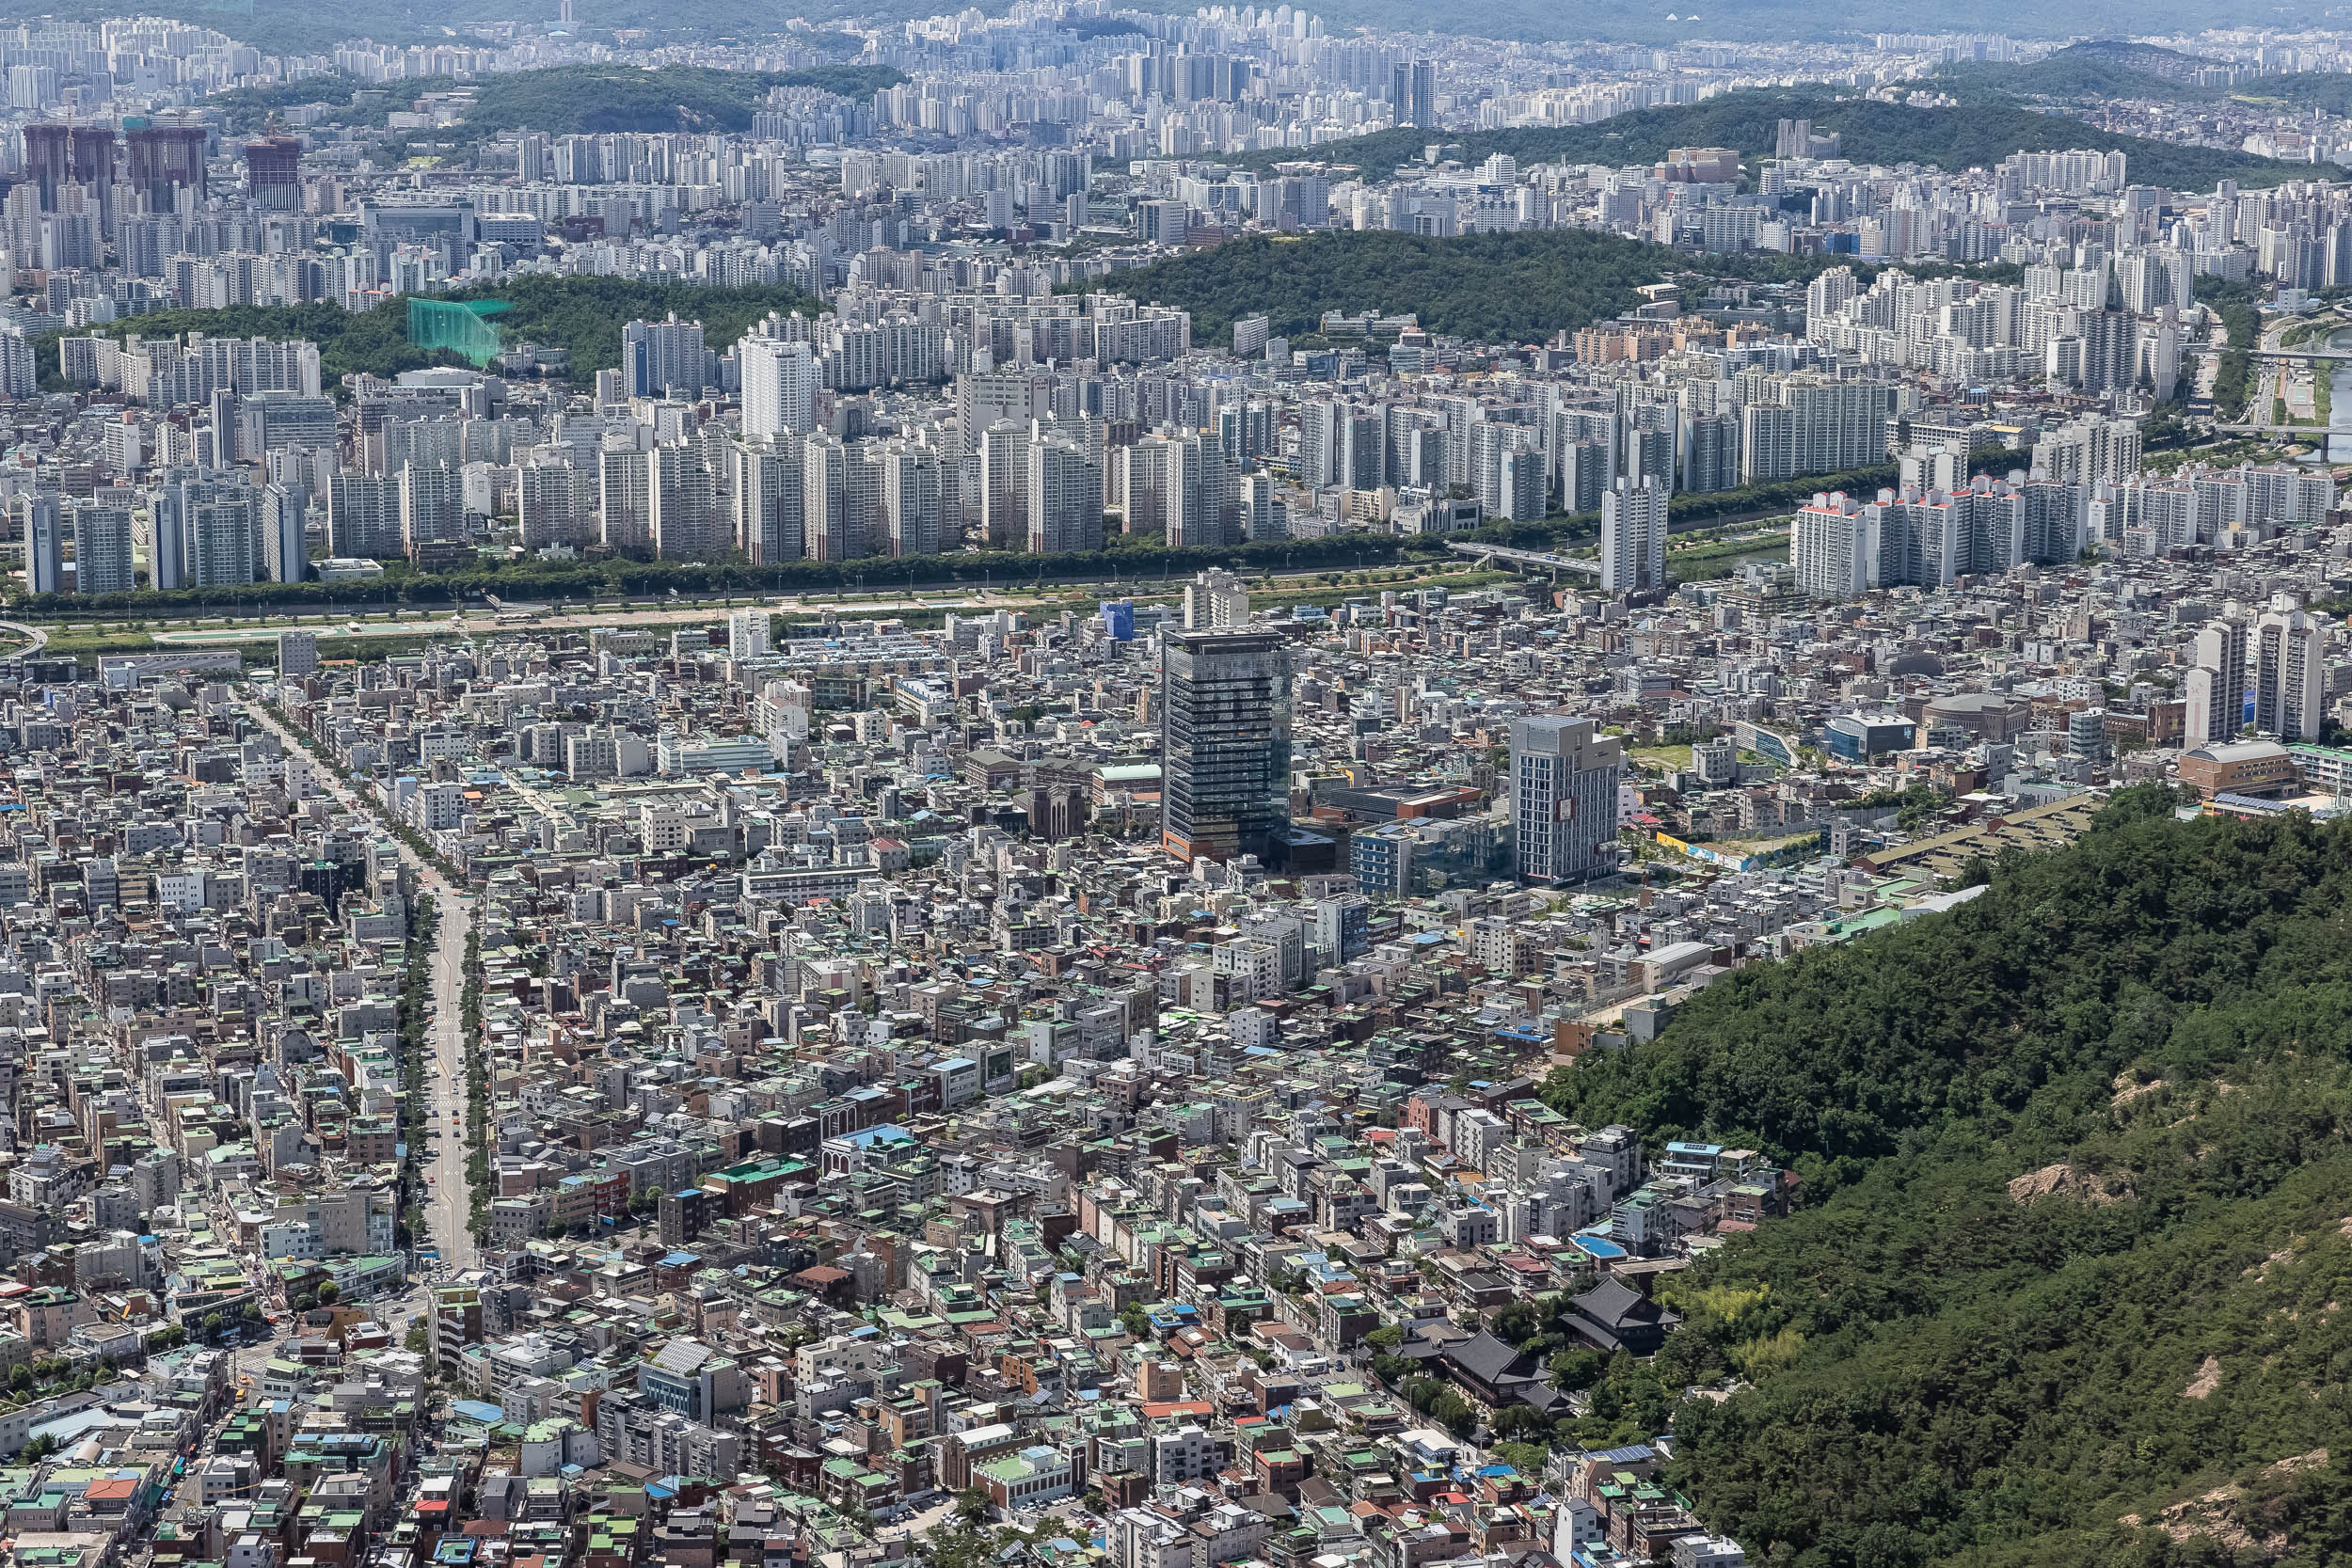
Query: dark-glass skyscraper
{"points": [[1413, 88], [1225, 702]]}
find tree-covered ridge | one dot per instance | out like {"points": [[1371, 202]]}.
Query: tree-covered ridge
{"points": [[2082, 73], [596, 99], [247, 110], [583, 315], [1490, 288], [292, 27], [1845, 1052], [1979, 133], [1493, 287], [2079, 1236], [370, 342], [2097, 68], [563, 100], [288, 25], [2326, 91]]}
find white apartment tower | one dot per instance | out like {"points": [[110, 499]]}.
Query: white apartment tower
{"points": [[1215, 600], [747, 634], [684, 521], [1632, 537], [780, 384], [1830, 548], [1065, 500], [914, 498], [2290, 675], [768, 495], [2215, 685]]}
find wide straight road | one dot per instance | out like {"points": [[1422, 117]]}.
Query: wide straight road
{"points": [[446, 1204], [444, 1152]]}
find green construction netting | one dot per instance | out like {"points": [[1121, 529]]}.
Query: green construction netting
{"points": [[463, 327]]}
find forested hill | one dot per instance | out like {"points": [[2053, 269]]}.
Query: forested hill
{"points": [[1980, 134], [289, 25], [2072, 1284], [1490, 288], [2080, 72], [592, 99], [580, 314], [566, 99], [2083, 73]]}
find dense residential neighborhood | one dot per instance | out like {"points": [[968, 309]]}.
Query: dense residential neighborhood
{"points": [[1096, 789]]}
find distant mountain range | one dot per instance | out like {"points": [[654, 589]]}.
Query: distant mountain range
{"points": [[290, 25], [1989, 125]]}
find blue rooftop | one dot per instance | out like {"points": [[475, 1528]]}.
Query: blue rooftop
{"points": [[881, 1132]]}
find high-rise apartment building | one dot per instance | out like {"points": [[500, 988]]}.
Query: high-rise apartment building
{"points": [[748, 632], [2215, 685], [1563, 798], [40, 515], [780, 384], [1933, 537], [1363, 450], [1004, 450], [684, 519], [1193, 506], [1320, 443], [1225, 700], [2092, 449], [1217, 600], [285, 542], [102, 548], [363, 517], [1265, 513], [914, 498], [1812, 424], [1065, 500], [202, 522], [1632, 537], [1838, 424], [1829, 548], [1710, 452], [432, 504], [768, 495], [840, 494], [2290, 675], [553, 502], [221, 534], [662, 359], [625, 497]]}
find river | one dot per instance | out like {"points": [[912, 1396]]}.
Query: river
{"points": [[2338, 447]]}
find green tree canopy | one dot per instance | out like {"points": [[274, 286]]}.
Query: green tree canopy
{"points": [[2074, 1236]]}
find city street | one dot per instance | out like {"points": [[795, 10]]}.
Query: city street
{"points": [[445, 1202]]}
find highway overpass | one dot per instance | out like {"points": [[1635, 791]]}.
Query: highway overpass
{"points": [[1529, 561]]}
